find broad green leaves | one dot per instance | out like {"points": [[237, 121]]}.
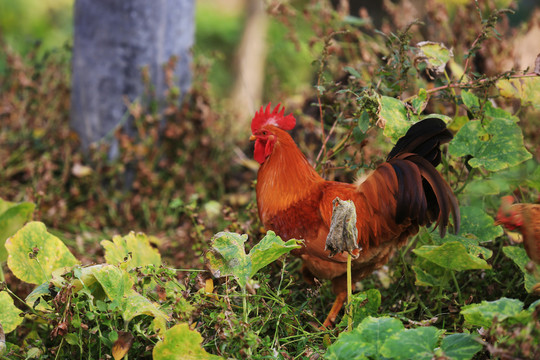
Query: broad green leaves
{"points": [[34, 254], [485, 313], [12, 217], [37, 257], [460, 346], [455, 252], [228, 255], [387, 338], [495, 143], [418, 343], [133, 249], [9, 313], [366, 340], [178, 341]]}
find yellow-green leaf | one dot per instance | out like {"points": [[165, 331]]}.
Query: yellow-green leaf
{"points": [[435, 55], [451, 255], [12, 217], [526, 89], [228, 257], [9, 313], [34, 254], [133, 249], [393, 118], [116, 282], [269, 249], [180, 342], [495, 146], [134, 304]]}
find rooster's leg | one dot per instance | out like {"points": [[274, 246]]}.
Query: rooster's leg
{"points": [[338, 304]]}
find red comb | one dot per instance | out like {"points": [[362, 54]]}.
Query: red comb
{"points": [[274, 117]]}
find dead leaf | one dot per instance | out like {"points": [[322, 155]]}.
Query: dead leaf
{"points": [[343, 234], [122, 345], [80, 170]]}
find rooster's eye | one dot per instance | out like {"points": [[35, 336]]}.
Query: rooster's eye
{"points": [[265, 133]]}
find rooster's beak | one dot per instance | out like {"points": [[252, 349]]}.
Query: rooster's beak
{"points": [[252, 138], [497, 223]]}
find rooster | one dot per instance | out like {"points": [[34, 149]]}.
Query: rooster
{"points": [[398, 197], [526, 219]]}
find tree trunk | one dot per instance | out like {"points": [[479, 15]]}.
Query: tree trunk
{"points": [[114, 40], [250, 61]]}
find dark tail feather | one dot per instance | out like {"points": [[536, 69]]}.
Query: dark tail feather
{"points": [[423, 138], [423, 195]]}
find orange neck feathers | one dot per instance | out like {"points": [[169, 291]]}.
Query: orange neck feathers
{"points": [[285, 176]]}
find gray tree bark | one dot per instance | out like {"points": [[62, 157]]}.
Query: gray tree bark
{"points": [[113, 41]]}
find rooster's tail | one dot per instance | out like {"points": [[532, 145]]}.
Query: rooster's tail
{"points": [[423, 194]]}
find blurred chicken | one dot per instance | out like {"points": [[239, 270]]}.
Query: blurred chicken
{"points": [[524, 218], [398, 197]]}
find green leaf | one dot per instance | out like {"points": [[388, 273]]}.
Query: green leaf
{"points": [[460, 346], [435, 55], [445, 118], [393, 117], [9, 313], [429, 274], [364, 122], [116, 283], [52, 254], [134, 304], [526, 89], [470, 100], [482, 187], [484, 314], [12, 217], [363, 304], [118, 287], [476, 227], [364, 341], [476, 221], [419, 102], [269, 249], [353, 72], [38, 292], [227, 257], [181, 341], [496, 146], [419, 343], [451, 255], [520, 258], [492, 113], [135, 248]]}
